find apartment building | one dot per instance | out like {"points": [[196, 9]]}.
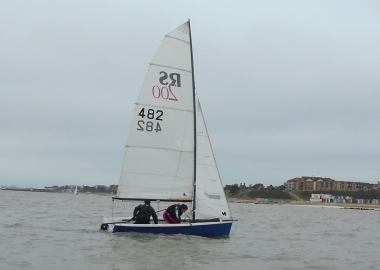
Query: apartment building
{"points": [[311, 183]]}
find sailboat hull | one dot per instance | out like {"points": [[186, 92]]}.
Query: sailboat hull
{"points": [[201, 229]]}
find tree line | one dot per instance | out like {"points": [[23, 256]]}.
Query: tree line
{"points": [[277, 192]]}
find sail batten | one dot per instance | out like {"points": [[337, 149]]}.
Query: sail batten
{"points": [[177, 39], [163, 107], [169, 149], [154, 64]]}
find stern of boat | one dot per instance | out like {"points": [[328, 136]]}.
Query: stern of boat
{"points": [[108, 223]]}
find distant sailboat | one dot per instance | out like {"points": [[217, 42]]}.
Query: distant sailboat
{"points": [[168, 155], [76, 190]]}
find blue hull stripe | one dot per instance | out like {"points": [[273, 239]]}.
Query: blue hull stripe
{"points": [[204, 229]]}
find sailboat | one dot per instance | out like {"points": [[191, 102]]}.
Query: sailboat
{"points": [[168, 156], [76, 190]]}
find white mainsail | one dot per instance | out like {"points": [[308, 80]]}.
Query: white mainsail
{"points": [[159, 155], [210, 197]]}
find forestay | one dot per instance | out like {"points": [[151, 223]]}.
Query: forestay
{"points": [[159, 155]]}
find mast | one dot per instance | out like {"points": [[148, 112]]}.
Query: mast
{"points": [[195, 124]]}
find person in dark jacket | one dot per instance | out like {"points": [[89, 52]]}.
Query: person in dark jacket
{"points": [[143, 212], [174, 212]]}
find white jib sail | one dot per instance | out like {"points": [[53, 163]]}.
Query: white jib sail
{"points": [[159, 156], [210, 197]]}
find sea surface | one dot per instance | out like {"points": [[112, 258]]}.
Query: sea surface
{"points": [[61, 231]]}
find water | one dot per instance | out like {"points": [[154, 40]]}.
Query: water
{"points": [[61, 231]]}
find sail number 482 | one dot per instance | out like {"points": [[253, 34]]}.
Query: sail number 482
{"points": [[150, 125]]}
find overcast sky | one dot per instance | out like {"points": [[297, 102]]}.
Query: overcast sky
{"points": [[288, 88]]}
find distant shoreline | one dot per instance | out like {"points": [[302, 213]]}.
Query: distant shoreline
{"points": [[306, 203], [237, 200]]}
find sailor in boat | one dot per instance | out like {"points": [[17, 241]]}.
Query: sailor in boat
{"points": [[174, 212], [143, 212]]}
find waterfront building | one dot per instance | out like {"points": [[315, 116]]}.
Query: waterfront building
{"points": [[312, 183]]}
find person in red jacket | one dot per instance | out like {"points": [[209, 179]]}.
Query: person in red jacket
{"points": [[174, 212]]}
